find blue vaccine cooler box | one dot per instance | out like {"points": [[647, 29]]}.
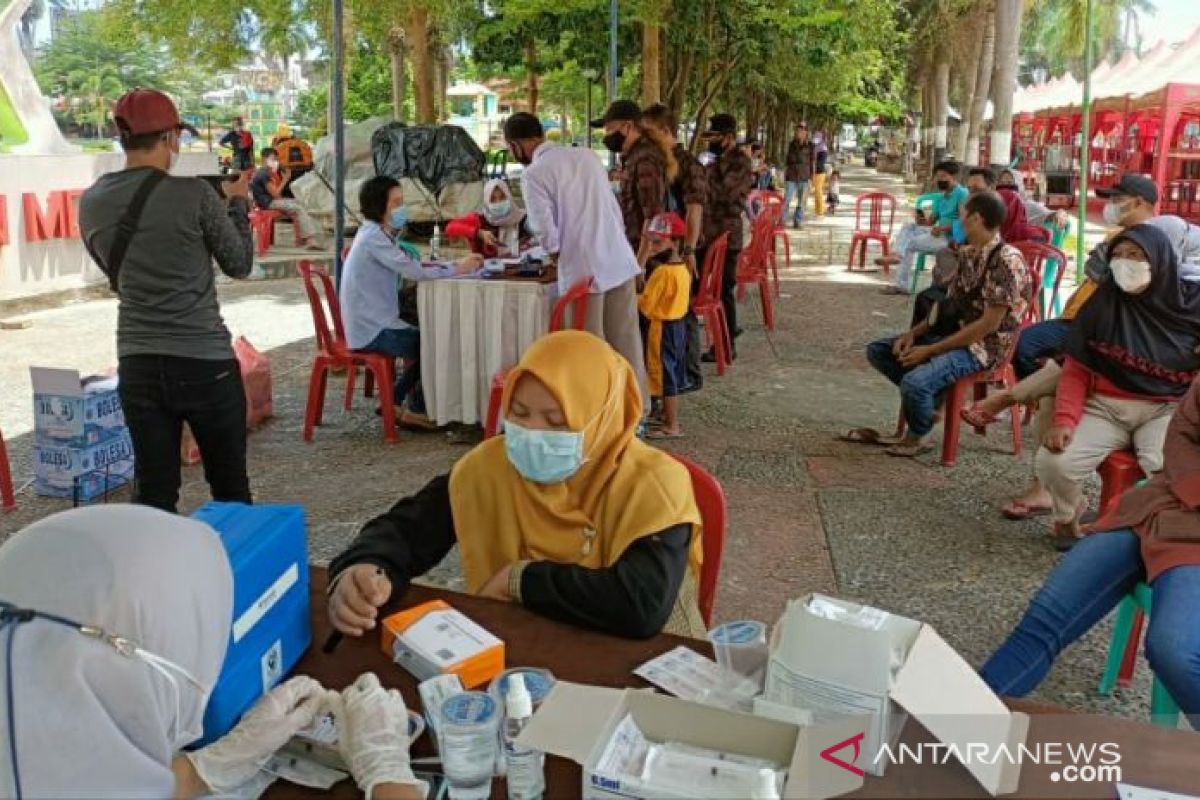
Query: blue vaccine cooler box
{"points": [[268, 550]]}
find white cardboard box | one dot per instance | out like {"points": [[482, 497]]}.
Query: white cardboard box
{"points": [[577, 722], [71, 410], [891, 666]]}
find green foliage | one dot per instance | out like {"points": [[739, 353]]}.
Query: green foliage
{"points": [[88, 71], [368, 91], [1053, 32]]}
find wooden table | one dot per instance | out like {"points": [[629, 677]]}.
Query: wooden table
{"points": [[1153, 757]]}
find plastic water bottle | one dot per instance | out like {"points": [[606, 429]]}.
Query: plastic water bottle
{"points": [[526, 768], [435, 243], [467, 739]]}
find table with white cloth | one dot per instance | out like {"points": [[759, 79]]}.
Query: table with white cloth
{"points": [[470, 329]]}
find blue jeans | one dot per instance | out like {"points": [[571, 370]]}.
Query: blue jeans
{"points": [[1037, 342], [403, 343], [797, 189], [1088, 582], [922, 387]]}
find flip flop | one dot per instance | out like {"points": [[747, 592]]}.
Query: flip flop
{"points": [[865, 436], [1017, 511], [660, 435], [977, 416], [909, 450]]}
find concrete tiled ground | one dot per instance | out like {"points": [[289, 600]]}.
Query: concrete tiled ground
{"points": [[807, 513]]}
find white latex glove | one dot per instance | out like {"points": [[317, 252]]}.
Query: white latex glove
{"points": [[373, 735], [237, 756]]}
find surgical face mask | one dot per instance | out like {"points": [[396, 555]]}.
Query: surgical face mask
{"points": [[273, 163], [543, 456], [1113, 213], [399, 218], [943, 186], [716, 147], [1131, 274], [615, 186], [615, 142], [500, 209], [547, 456], [174, 161]]}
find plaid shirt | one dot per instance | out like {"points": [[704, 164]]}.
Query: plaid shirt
{"points": [[644, 187], [1006, 283], [730, 179], [691, 185]]}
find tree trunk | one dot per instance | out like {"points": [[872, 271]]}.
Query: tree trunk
{"points": [[441, 60], [941, 103], [398, 52], [422, 66], [651, 79], [970, 77], [983, 85], [1004, 78], [531, 75]]}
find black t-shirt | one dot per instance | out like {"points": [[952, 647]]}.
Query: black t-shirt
{"points": [[259, 187]]}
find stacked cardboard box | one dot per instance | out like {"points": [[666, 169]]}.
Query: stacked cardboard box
{"points": [[82, 448]]}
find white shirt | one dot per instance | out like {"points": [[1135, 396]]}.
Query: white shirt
{"points": [[572, 210], [369, 292]]}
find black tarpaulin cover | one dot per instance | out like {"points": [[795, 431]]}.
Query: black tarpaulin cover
{"points": [[436, 155]]}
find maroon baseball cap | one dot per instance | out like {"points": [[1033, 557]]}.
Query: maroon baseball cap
{"points": [[142, 111]]}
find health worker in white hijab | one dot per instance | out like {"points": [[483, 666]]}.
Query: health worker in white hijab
{"points": [[113, 627]]}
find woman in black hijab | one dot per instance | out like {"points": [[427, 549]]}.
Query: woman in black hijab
{"points": [[1130, 358]]}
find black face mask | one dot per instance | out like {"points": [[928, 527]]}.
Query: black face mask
{"points": [[615, 142], [943, 186], [716, 147]]}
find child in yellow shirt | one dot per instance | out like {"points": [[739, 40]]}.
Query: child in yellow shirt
{"points": [[663, 304]]}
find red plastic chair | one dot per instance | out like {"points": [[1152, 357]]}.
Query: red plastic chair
{"points": [[1119, 473], [877, 206], [710, 499], [576, 298], [755, 261], [708, 306], [8, 500], [1036, 254], [333, 352], [772, 199], [262, 222]]}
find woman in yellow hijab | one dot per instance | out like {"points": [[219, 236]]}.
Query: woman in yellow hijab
{"points": [[567, 513]]}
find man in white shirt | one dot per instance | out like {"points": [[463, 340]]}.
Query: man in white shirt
{"points": [[575, 215]]}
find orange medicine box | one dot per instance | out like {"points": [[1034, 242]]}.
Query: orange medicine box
{"points": [[436, 639]]}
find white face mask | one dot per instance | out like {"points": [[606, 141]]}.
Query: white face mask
{"points": [[1132, 275], [174, 161], [1113, 213]]}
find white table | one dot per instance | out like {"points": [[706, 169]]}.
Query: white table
{"points": [[470, 329]]}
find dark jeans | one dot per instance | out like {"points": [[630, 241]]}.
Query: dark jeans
{"points": [[1088, 582], [1037, 342], [922, 387], [695, 376], [729, 294], [158, 395], [403, 343]]}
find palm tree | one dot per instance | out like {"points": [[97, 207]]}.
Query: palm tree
{"points": [[1057, 29]]}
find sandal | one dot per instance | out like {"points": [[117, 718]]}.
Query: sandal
{"points": [[866, 436], [900, 450], [977, 416], [657, 435], [1017, 511]]}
